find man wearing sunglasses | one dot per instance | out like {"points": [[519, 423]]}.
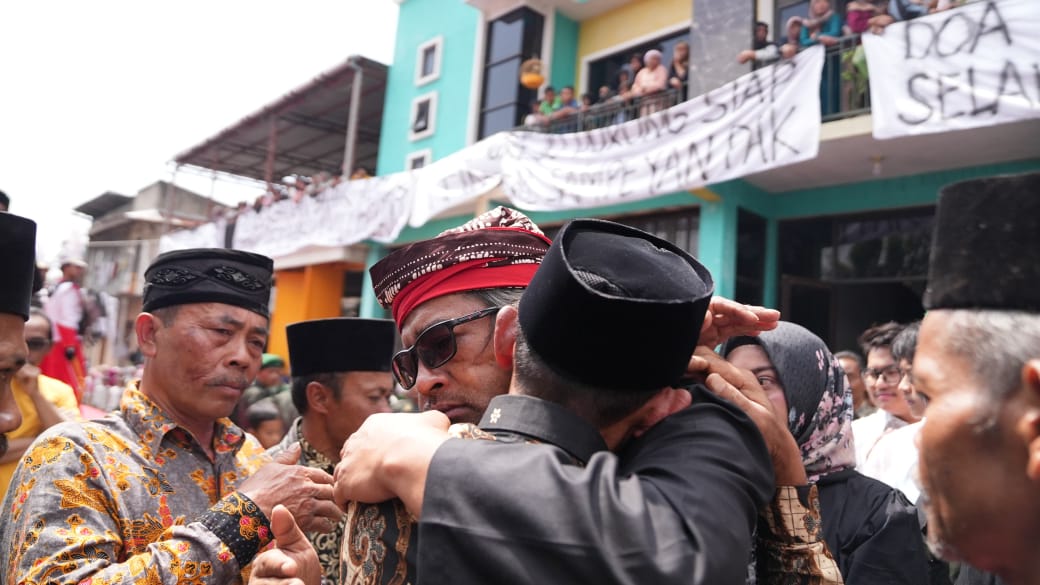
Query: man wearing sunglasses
{"points": [[384, 541], [42, 400]]}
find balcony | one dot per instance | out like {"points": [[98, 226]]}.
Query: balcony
{"points": [[844, 93]]}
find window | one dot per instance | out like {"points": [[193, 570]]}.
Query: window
{"points": [[428, 61], [511, 40], [418, 159], [423, 120]]}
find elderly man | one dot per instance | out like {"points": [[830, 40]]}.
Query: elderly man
{"points": [[420, 361], [167, 489], [17, 264], [340, 376], [978, 366]]}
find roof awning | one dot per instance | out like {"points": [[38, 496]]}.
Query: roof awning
{"points": [[303, 132]]}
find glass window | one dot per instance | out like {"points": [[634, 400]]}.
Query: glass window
{"points": [[501, 82], [510, 40], [429, 60], [500, 119], [605, 71], [422, 117], [505, 37]]}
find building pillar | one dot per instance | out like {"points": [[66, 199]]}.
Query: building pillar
{"points": [[717, 243], [301, 294], [370, 307], [721, 29]]}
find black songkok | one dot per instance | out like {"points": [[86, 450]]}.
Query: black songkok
{"points": [[17, 263], [614, 307], [209, 275], [325, 346], [986, 244]]}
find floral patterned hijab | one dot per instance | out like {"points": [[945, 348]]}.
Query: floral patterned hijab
{"points": [[819, 398]]}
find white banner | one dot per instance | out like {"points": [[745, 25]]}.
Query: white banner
{"points": [[458, 178], [977, 65], [207, 235], [765, 119], [351, 212]]}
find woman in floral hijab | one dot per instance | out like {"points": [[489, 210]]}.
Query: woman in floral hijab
{"points": [[871, 529]]}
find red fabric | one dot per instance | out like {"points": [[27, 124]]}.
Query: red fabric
{"points": [[465, 276], [56, 365]]}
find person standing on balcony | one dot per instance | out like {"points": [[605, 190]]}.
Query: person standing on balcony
{"points": [[679, 69], [651, 79], [762, 51], [66, 308]]}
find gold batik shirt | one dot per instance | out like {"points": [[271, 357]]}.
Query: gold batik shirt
{"points": [[326, 545], [132, 498]]}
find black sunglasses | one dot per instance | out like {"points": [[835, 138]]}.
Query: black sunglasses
{"points": [[435, 346]]}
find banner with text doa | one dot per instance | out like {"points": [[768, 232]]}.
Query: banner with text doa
{"points": [[765, 119], [977, 65]]}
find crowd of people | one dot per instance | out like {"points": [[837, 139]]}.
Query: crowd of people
{"points": [[645, 84], [826, 26], [591, 412]]}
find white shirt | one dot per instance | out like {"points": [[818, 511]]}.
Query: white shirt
{"points": [[894, 460], [65, 306]]}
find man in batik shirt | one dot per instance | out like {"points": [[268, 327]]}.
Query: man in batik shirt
{"points": [[340, 376], [167, 489]]}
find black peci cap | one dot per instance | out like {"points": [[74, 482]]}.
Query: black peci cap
{"points": [[209, 275], [325, 346], [986, 245], [17, 263], [615, 307]]}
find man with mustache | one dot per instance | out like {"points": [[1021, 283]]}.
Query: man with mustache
{"points": [[17, 264], [167, 489]]}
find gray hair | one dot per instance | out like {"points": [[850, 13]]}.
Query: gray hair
{"points": [[497, 297], [997, 344]]}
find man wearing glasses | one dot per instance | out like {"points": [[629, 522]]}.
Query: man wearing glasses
{"points": [[42, 400], [882, 376]]}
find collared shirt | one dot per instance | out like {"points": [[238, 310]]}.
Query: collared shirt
{"points": [[132, 497], [867, 431], [381, 540], [326, 545], [58, 393]]}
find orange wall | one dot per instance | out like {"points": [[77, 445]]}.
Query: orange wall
{"points": [[311, 292]]}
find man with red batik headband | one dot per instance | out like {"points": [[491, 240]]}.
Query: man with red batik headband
{"points": [[442, 292]]}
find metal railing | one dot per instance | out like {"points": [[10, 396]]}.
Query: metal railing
{"points": [[844, 93], [615, 110]]}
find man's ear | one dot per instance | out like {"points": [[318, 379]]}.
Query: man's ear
{"points": [[505, 336], [318, 397], [665, 402], [147, 327], [1029, 420]]}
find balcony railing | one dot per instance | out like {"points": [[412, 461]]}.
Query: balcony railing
{"points": [[844, 93]]}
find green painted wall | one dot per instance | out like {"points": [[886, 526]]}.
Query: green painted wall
{"points": [[418, 22], [564, 51], [370, 307]]}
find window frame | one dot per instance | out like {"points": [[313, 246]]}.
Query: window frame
{"points": [[437, 44], [425, 155], [431, 124]]}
